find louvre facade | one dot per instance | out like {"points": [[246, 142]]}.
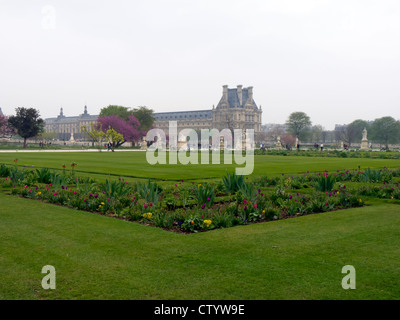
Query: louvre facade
{"points": [[235, 110], [69, 127]]}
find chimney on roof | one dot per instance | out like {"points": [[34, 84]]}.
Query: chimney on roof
{"points": [[239, 93], [225, 92], [250, 92]]}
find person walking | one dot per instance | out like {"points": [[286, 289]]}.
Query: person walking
{"points": [[322, 146]]}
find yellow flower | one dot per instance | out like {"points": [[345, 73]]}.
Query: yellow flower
{"points": [[199, 185], [207, 223], [263, 211], [39, 193], [101, 203], [147, 215]]}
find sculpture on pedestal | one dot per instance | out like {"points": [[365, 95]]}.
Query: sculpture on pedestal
{"points": [[278, 143], [364, 141]]}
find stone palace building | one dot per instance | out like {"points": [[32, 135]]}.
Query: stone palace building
{"points": [[69, 128], [236, 110]]}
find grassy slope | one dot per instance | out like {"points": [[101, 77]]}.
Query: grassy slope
{"points": [[134, 164], [103, 258]]}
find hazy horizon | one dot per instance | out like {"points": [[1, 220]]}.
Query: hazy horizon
{"points": [[337, 61]]}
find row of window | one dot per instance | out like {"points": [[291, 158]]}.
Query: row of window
{"points": [[171, 117]]}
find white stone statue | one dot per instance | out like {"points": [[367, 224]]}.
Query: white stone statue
{"points": [[143, 144], [364, 137], [364, 141], [278, 143]]}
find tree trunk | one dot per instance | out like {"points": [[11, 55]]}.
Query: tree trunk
{"points": [[24, 143]]}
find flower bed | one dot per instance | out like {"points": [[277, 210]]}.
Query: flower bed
{"points": [[193, 207]]}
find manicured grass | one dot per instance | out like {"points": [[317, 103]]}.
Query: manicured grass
{"points": [[97, 257], [134, 165]]}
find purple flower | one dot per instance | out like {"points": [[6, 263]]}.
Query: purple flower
{"points": [[290, 197], [208, 199]]}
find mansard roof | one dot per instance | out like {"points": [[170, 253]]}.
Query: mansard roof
{"points": [[65, 119], [234, 101], [61, 118], [183, 115]]}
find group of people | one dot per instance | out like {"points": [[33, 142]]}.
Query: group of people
{"points": [[321, 146], [43, 144], [109, 146]]}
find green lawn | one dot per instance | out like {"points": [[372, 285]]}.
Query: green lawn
{"points": [[98, 257], [134, 164], [103, 258]]}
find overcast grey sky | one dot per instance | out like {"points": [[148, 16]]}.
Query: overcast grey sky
{"points": [[335, 60]]}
